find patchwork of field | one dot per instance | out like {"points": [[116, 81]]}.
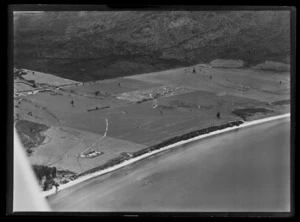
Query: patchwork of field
{"points": [[152, 94], [110, 87], [246, 83], [143, 110]]}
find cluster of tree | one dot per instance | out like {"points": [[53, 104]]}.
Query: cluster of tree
{"points": [[49, 173], [186, 136], [19, 72], [98, 93], [32, 82]]}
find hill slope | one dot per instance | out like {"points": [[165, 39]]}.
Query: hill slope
{"points": [[98, 45]]}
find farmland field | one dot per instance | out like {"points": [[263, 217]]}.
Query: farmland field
{"points": [[142, 110]]}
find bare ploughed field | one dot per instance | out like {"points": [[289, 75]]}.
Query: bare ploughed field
{"points": [[143, 110]]}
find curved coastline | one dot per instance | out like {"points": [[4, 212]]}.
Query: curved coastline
{"points": [[123, 161]]}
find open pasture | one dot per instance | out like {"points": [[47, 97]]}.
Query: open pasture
{"points": [[110, 87], [47, 79], [63, 144], [174, 102], [246, 83]]}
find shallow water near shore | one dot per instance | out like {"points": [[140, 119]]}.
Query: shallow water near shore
{"points": [[245, 170]]}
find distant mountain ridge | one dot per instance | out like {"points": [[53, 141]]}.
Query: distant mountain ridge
{"points": [[98, 45]]}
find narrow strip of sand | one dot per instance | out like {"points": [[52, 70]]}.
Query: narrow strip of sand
{"points": [[135, 159]]}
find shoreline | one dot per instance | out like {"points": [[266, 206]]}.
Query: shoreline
{"points": [[153, 150]]}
